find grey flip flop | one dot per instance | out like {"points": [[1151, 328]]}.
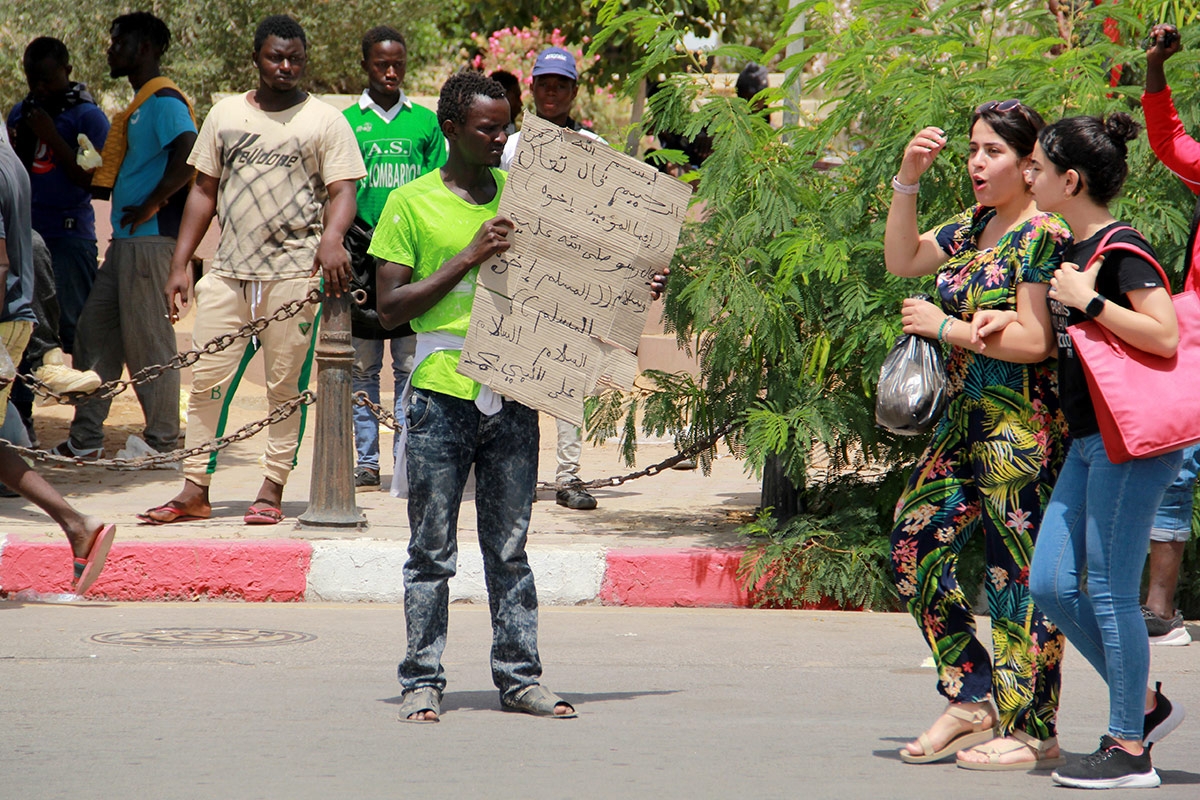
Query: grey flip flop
{"points": [[538, 701], [423, 698]]}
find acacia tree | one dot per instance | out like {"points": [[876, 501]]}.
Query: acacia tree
{"points": [[781, 287], [211, 41]]}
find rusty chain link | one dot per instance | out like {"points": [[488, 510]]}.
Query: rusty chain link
{"points": [[179, 360], [278, 414], [386, 417], [690, 451]]}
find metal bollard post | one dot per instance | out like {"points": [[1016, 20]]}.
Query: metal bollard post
{"points": [[331, 498]]}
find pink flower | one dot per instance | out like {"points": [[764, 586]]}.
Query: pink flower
{"points": [[1019, 520]]}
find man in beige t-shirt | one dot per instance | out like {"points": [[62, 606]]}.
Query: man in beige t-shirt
{"points": [[270, 164]]}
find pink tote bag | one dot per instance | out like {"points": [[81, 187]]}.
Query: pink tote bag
{"points": [[1146, 405]]}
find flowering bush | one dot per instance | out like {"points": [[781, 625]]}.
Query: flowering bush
{"points": [[516, 50]]}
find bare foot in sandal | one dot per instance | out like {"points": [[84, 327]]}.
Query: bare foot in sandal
{"points": [[190, 504], [1017, 751], [961, 725]]}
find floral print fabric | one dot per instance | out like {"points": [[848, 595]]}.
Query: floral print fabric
{"points": [[991, 465]]}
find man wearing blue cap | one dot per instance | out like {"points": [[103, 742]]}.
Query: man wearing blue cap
{"points": [[555, 84]]}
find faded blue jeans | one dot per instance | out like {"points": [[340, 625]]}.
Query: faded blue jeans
{"points": [[364, 377], [446, 435], [1098, 520], [1173, 520]]}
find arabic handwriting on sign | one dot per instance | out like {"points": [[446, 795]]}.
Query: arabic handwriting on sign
{"points": [[537, 142], [548, 197], [524, 300], [588, 172], [583, 143], [503, 262], [511, 373], [565, 391], [504, 328], [558, 354], [547, 161], [637, 200], [558, 280], [539, 226], [585, 250]]}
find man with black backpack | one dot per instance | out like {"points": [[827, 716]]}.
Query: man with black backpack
{"points": [[399, 141]]}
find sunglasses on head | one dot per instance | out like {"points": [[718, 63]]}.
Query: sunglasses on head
{"points": [[998, 105]]}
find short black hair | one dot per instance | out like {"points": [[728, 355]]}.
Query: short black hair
{"points": [[506, 79], [752, 80], [381, 33], [145, 27], [460, 91], [280, 25], [44, 47]]}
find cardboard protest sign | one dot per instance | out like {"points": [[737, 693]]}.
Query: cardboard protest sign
{"points": [[561, 312]]}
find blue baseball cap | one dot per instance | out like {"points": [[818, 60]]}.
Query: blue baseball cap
{"points": [[555, 61]]}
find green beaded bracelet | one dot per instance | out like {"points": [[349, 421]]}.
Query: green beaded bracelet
{"points": [[942, 329]]}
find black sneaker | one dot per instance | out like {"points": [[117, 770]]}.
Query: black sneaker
{"points": [[573, 495], [1162, 719], [1110, 767], [366, 479], [1170, 632]]}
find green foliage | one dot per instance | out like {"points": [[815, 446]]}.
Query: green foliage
{"points": [[832, 553], [780, 285], [750, 22], [211, 43]]}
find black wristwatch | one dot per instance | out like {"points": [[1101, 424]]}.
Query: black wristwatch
{"points": [[1095, 306]]}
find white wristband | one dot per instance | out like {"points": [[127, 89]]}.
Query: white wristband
{"points": [[904, 188]]}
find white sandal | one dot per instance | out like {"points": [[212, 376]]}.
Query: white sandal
{"points": [[981, 731], [1017, 740]]}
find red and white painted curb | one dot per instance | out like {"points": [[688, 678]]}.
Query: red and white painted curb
{"points": [[290, 570]]}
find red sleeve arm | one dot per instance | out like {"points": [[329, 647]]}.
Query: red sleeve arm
{"points": [[1177, 151]]}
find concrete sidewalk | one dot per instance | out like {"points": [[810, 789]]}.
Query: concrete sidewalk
{"points": [[664, 540]]}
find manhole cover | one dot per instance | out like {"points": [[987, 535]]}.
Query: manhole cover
{"points": [[203, 637]]}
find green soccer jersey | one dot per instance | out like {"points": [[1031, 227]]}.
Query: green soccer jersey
{"points": [[423, 226], [398, 145]]}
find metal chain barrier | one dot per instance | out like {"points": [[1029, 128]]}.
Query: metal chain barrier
{"points": [[691, 451], [278, 414], [179, 360], [386, 417]]}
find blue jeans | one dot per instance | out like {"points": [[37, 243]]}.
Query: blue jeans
{"points": [[75, 265], [1173, 520], [446, 435], [1098, 521], [364, 377]]}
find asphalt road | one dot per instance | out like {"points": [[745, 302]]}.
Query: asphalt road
{"points": [[224, 700]]}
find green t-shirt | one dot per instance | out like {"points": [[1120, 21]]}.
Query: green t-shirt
{"points": [[395, 152], [423, 226]]}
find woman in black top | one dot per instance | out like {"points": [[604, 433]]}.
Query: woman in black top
{"points": [[1099, 517]]}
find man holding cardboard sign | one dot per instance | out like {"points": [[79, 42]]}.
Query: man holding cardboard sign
{"points": [[432, 236]]}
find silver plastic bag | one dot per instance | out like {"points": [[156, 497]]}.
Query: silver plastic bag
{"points": [[912, 386]]}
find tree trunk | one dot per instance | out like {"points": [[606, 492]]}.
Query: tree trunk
{"points": [[778, 492]]}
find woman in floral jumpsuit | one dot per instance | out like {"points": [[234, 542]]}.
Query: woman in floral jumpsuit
{"points": [[995, 452]]}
